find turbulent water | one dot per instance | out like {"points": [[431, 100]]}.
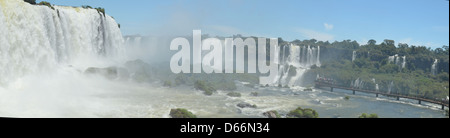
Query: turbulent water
{"points": [[38, 38], [44, 54]]}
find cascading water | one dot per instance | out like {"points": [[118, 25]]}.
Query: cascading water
{"points": [[391, 87], [434, 67], [38, 38], [376, 84], [404, 62], [359, 84], [400, 61], [44, 53], [354, 56], [300, 58]]}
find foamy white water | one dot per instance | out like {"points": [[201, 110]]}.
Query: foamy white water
{"points": [[43, 53], [38, 39]]}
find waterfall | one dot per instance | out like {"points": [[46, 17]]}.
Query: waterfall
{"points": [[37, 38], [391, 59], [318, 64], [300, 58], [133, 41], [391, 87], [358, 84], [376, 84], [400, 61], [404, 62], [354, 56], [434, 67]]}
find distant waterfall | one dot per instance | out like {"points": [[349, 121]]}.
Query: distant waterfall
{"points": [[404, 62], [400, 61], [354, 56], [359, 84], [391, 87], [298, 58], [133, 41], [434, 67]]}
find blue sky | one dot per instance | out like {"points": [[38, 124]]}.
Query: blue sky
{"points": [[416, 22]]}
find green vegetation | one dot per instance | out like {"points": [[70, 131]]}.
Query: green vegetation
{"points": [[346, 98], [364, 115], [234, 94], [48, 4], [181, 113], [254, 94], [180, 79], [205, 87], [372, 66], [167, 84], [31, 1], [303, 113], [86, 7], [101, 10], [224, 82]]}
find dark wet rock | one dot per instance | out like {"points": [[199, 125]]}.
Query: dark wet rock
{"points": [[272, 114], [245, 105], [109, 72], [234, 94], [254, 94]]}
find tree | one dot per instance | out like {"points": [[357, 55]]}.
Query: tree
{"points": [[389, 42], [372, 42], [402, 45]]}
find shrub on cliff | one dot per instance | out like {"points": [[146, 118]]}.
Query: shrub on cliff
{"points": [[48, 4], [101, 10], [86, 6], [31, 1]]}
